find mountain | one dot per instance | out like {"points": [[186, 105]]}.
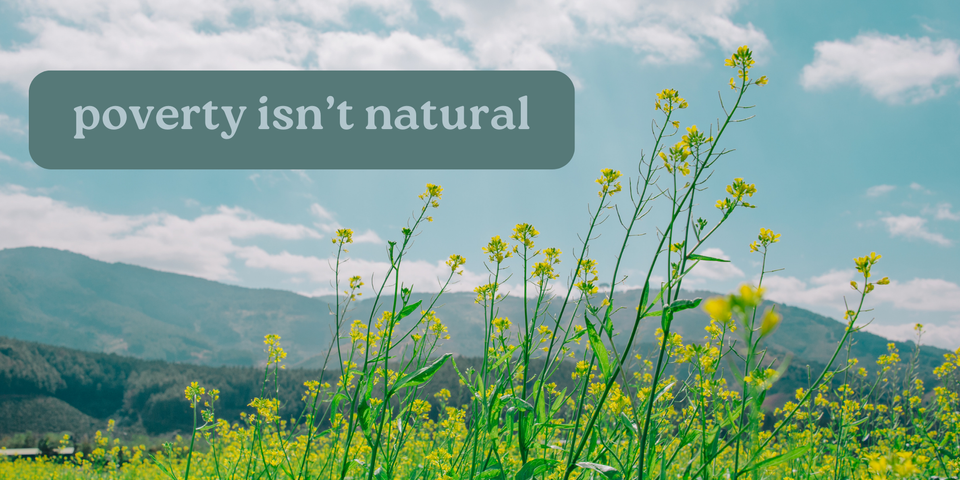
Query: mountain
{"points": [[69, 300], [803, 335], [66, 299], [108, 332]]}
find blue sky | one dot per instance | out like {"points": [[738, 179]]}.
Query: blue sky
{"points": [[853, 148]]}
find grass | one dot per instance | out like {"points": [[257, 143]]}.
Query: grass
{"points": [[623, 416]]}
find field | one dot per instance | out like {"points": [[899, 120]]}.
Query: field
{"points": [[564, 393]]}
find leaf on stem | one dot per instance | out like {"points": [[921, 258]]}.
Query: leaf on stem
{"points": [[599, 350], [783, 457], [605, 470], [422, 375], [535, 467], [694, 256]]}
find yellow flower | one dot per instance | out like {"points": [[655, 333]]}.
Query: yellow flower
{"points": [[275, 353], [455, 262], [497, 250], [750, 296], [267, 408], [864, 263], [344, 235], [718, 308], [668, 99], [443, 395], [608, 181], [525, 233], [433, 191], [193, 393], [770, 322]]}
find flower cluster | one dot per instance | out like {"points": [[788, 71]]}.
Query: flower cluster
{"points": [[668, 99], [524, 233], [275, 353], [497, 250], [455, 262], [608, 182], [765, 238], [738, 189]]}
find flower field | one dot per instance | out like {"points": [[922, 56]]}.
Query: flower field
{"points": [[694, 408]]}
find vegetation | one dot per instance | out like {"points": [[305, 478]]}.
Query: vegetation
{"points": [[682, 409]]}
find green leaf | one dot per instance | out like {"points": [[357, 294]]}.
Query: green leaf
{"points": [[681, 305], [336, 402], [408, 310], [363, 414], [504, 356], [491, 472], [858, 422], [535, 467], [516, 402], [558, 402], [605, 470], [628, 424], [598, 348], [783, 457], [666, 318], [422, 375], [663, 391], [607, 321], [557, 426], [541, 406], [694, 256], [645, 295]]}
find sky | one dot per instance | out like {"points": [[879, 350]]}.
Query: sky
{"points": [[853, 148]]}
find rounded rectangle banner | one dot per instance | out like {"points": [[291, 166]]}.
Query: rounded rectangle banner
{"points": [[301, 119]]}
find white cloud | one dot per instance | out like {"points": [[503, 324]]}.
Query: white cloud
{"points": [[12, 125], [890, 68], [825, 290], [264, 34], [913, 227], [920, 188], [329, 225], [141, 42], [922, 294], [8, 159], [398, 51], [202, 247], [879, 190], [944, 336], [218, 34], [519, 34], [944, 212], [422, 275], [321, 212], [303, 176], [826, 293], [713, 270]]}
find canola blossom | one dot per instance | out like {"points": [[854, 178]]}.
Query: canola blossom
{"points": [[562, 391]]}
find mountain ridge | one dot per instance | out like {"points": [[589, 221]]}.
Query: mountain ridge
{"points": [[65, 299]]}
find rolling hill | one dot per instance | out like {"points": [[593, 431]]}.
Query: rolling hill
{"points": [[65, 299], [89, 340]]}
